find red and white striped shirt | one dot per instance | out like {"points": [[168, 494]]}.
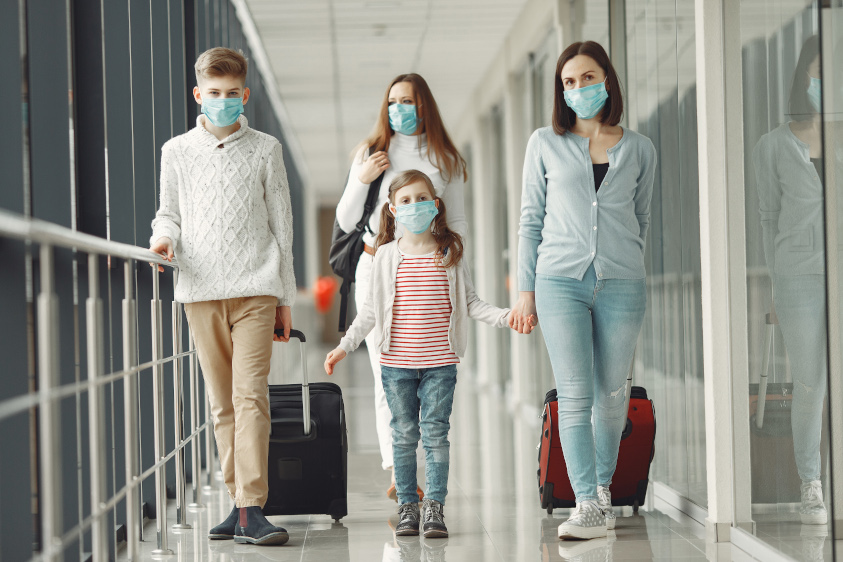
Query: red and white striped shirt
{"points": [[421, 316]]}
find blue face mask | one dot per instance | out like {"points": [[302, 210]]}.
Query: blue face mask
{"points": [[222, 112], [815, 93], [403, 118], [416, 217], [588, 101]]}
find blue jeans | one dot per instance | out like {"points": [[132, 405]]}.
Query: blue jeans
{"points": [[800, 306], [426, 395], [590, 328]]}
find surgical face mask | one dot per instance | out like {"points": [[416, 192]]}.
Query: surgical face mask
{"points": [[815, 93], [222, 112], [403, 118], [588, 101], [416, 217]]}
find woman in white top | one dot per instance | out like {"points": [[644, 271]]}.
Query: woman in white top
{"points": [[409, 135]]}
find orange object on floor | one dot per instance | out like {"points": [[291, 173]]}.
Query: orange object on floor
{"points": [[392, 493]]}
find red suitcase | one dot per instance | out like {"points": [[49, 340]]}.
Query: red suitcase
{"points": [[629, 483]]}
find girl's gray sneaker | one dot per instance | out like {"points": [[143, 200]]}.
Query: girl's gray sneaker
{"points": [[434, 520], [604, 500], [408, 524], [587, 522]]}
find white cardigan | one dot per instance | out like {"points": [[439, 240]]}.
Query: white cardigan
{"points": [[404, 154], [377, 312], [225, 204]]}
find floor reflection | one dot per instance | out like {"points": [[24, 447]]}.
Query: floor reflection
{"points": [[492, 510]]}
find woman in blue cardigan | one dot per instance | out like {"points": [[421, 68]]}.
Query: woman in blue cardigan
{"points": [[585, 210]]}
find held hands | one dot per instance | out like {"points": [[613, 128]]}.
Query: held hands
{"points": [[524, 316], [373, 167], [163, 247], [333, 358], [283, 319]]}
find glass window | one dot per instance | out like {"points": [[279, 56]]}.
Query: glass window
{"points": [[661, 104], [791, 154]]}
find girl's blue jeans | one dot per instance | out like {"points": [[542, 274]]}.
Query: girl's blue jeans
{"points": [[420, 399], [590, 328]]}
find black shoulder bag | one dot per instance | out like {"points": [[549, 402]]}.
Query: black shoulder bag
{"points": [[347, 247]]}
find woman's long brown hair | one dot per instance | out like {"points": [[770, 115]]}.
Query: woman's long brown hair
{"points": [[449, 243], [441, 151]]}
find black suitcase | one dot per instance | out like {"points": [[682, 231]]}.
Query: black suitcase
{"points": [[308, 447]]}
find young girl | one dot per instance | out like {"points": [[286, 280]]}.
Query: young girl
{"points": [[420, 299]]}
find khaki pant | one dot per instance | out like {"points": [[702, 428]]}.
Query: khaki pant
{"points": [[233, 340]]}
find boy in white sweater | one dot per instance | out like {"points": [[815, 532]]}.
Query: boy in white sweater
{"points": [[225, 214]]}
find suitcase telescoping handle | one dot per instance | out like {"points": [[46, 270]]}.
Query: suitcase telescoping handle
{"points": [[628, 390], [761, 402], [305, 387]]}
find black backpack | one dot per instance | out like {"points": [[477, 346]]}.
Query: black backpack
{"points": [[346, 248]]}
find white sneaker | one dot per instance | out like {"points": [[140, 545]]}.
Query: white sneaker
{"points": [[813, 510], [813, 542], [604, 501], [587, 522], [596, 550]]}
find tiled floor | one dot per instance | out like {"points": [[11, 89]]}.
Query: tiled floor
{"points": [[492, 510]]}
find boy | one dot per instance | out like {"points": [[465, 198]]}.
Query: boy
{"points": [[225, 213]]}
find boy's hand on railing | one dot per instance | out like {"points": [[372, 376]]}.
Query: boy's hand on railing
{"points": [[163, 247], [283, 319], [333, 358]]}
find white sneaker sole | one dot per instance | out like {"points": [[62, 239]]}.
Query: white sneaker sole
{"points": [[566, 531], [818, 519]]}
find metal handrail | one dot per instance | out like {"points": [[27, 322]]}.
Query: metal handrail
{"points": [[15, 225], [55, 540]]}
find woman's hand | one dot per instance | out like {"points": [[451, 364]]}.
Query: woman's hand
{"points": [[333, 358], [373, 167], [164, 248], [524, 317]]}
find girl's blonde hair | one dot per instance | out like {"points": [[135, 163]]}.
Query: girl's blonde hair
{"points": [[449, 243]]}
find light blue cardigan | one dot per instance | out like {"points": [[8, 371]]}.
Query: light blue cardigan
{"points": [[566, 225]]}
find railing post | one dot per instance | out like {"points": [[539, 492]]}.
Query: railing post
{"points": [[209, 446], [194, 424], [96, 411], [50, 461], [178, 406], [158, 414], [134, 521]]}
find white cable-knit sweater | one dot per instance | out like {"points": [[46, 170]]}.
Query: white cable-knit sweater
{"points": [[225, 204]]}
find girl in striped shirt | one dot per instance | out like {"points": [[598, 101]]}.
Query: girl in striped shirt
{"points": [[420, 300]]}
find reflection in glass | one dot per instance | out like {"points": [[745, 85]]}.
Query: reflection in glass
{"points": [[788, 168]]}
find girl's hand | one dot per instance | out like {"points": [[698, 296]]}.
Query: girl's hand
{"points": [[333, 358], [524, 317], [163, 247], [373, 167]]}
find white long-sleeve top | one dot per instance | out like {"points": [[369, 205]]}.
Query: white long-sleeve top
{"points": [[225, 204], [404, 154]]}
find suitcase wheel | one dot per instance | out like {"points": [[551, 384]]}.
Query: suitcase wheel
{"points": [[550, 510], [635, 507]]}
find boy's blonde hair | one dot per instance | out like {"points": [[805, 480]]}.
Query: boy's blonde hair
{"points": [[221, 61]]}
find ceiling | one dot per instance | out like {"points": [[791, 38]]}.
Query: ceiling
{"points": [[334, 58]]}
